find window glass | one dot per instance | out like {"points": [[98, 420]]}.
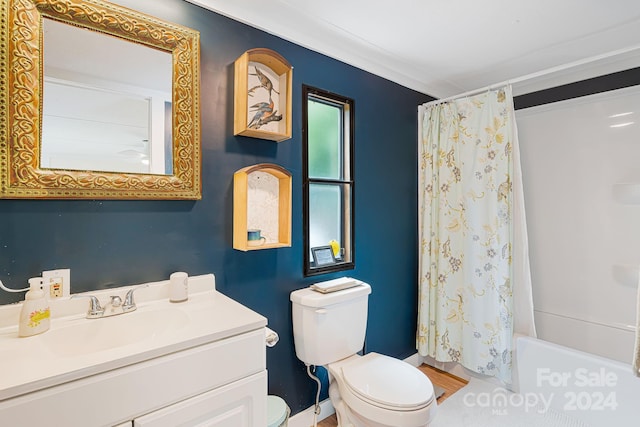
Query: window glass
{"points": [[328, 187], [325, 215], [325, 140]]}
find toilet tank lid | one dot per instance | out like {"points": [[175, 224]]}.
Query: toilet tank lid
{"points": [[310, 298]]}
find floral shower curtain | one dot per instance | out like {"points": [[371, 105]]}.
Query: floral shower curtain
{"points": [[472, 234]]}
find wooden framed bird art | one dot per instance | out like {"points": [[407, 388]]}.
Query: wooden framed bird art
{"points": [[262, 98]]}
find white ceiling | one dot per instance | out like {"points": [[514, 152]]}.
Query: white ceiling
{"points": [[446, 47]]}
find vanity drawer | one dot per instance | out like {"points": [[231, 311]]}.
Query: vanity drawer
{"points": [[240, 404], [123, 394]]}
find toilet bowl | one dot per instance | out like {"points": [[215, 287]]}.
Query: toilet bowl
{"points": [[372, 390], [379, 391]]}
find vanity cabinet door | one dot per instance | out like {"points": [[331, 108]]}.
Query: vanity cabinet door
{"points": [[240, 404]]}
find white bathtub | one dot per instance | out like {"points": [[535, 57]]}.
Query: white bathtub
{"points": [[598, 391]]}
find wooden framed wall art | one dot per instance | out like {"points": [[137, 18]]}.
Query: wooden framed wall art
{"points": [[262, 98]]}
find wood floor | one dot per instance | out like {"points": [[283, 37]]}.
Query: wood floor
{"points": [[448, 382]]}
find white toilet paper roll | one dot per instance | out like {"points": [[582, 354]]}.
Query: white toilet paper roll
{"points": [[271, 338]]}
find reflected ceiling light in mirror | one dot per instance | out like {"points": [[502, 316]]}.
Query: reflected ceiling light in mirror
{"points": [[619, 115], [628, 113], [621, 125]]}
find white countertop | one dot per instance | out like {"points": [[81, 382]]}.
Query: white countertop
{"points": [[34, 363]]}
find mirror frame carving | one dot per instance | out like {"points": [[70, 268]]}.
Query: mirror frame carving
{"points": [[21, 82]]}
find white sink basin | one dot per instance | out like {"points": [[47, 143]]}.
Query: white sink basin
{"points": [[75, 347], [93, 335]]}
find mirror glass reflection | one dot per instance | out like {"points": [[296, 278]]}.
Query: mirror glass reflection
{"points": [[106, 103]]}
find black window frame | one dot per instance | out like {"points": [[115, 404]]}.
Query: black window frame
{"points": [[329, 97]]}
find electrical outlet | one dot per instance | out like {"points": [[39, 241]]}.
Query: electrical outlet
{"points": [[57, 283], [55, 287]]}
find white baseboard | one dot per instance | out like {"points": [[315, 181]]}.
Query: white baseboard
{"points": [[415, 360], [305, 418]]}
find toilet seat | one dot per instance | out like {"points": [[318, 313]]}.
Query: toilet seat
{"points": [[387, 383]]}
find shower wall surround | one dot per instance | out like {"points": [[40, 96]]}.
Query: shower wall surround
{"points": [[583, 239]]}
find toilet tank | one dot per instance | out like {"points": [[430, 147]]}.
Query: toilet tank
{"points": [[329, 327]]}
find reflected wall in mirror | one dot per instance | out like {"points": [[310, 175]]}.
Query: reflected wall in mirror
{"points": [[102, 101], [103, 112]]}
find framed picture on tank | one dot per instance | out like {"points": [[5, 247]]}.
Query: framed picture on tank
{"points": [[323, 255], [262, 95]]}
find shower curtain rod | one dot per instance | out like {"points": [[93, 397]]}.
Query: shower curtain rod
{"points": [[466, 94], [531, 76]]}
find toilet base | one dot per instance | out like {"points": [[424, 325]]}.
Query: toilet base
{"points": [[346, 418], [351, 414]]}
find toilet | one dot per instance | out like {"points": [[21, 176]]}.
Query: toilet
{"points": [[372, 390]]}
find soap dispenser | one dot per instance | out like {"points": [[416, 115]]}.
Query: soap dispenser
{"points": [[35, 314]]}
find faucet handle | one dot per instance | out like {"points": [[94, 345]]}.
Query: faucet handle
{"points": [[129, 304], [95, 309]]}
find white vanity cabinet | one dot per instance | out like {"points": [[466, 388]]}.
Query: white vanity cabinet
{"points": [[209, 372], [218, 384]]}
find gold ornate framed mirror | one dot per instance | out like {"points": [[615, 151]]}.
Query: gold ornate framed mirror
{"points": [[27, 167]]}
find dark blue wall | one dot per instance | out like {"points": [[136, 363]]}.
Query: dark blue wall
{"points": [[126, 242]]}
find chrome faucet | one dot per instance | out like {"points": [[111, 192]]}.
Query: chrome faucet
{"points": [[117, 306], [95, 309], [129, 304]]}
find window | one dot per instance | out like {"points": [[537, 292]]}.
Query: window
{"points": [[328, 181]]}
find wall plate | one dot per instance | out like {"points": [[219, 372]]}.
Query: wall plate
{"points": [[57, 283]]}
